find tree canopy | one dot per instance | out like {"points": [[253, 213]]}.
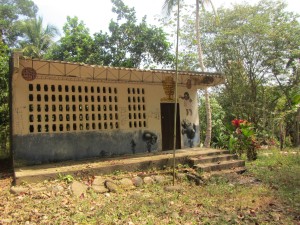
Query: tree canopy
{"points": [[36, 39], [257, 48], [75, 45], [12, 12], [124, 45]]}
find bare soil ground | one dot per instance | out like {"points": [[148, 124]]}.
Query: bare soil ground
{"points": [[226, 199]]}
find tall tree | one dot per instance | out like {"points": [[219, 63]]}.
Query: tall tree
{"points": [[12, 12], [4, 106], [168, 5], [257, 47], [124, 45], [127, 40], [219, 131], [37, 39], [75, 45]]}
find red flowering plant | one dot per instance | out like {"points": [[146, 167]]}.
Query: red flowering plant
{"points": [[243, 139]]}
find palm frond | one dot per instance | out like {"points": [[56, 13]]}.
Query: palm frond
{"points": [[168, 6]]}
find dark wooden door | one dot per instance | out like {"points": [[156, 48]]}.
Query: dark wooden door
{"points": [[167, 126]]}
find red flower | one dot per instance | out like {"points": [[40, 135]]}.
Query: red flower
{"points": [[237, 123]]}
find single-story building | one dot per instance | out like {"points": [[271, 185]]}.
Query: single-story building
{"points": [[69, 111]]}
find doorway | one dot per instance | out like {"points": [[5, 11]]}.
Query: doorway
{"points": [[167, 126]]}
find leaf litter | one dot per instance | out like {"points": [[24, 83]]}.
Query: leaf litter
{"points": [[226, 199]]}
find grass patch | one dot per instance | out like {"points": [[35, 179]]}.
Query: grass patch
{"points": [[267, 194], [281, 171]]}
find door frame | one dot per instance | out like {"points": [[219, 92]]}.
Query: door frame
{"points": [[167, 126]]}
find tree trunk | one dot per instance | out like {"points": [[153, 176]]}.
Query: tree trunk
{"points": [[208, 120], [297, 125], [198, 36], [201, 64], [282, 136]]}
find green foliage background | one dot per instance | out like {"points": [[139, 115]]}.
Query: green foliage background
{"points": [[256, 46], [4, 105]]}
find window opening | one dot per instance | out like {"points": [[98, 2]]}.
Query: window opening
{"points": [[136, 100], [42, 112], [31, 128]]}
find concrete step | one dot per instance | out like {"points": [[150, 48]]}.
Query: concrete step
{"points": [[159, 160], [214, 153], [220, 165], [237, 170], [211, 159]]}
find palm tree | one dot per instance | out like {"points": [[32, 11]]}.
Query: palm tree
{"points": [[37, 40], [168, 5]]}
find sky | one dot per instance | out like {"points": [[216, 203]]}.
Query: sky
{"points": [[96, 14]]}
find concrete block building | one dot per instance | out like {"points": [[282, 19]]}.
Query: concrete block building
{"points": [[69, 111]]}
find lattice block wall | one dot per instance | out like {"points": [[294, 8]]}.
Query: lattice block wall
{"points": [[72, 107], [136, 107]]}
